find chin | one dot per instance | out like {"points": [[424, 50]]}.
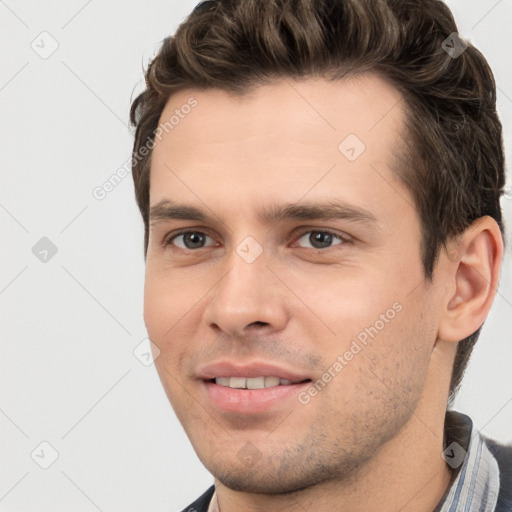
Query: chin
{"points": [[264, 484], [284, 476]]}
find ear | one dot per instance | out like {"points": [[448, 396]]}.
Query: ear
{"points": [[473, 263]]}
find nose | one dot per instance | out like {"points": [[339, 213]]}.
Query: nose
{"points": [[248, 299]]}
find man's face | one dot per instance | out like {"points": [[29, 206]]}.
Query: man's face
{"points": [[338, 306]]}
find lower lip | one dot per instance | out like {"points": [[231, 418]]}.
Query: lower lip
{"points": [[251, 401]]}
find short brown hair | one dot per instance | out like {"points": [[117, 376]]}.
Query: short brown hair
{"points": [[454, 166]]}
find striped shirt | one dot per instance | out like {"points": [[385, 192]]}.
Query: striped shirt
{"points": [[477, 482]]}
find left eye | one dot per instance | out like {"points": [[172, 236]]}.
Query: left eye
{"points": [[320, 239]]}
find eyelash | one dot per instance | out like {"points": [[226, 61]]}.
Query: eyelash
{"points": [[169, 239]]}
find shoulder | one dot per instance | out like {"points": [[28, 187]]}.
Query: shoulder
{"points": [[202, 503], [503, 454]]}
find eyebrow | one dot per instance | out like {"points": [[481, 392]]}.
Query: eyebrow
{"points": [[331, 210]]}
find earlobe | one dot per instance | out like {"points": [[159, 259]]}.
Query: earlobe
{"points": [[475, 275]]}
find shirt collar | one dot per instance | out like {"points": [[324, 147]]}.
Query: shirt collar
{"points": [[477, 482]]}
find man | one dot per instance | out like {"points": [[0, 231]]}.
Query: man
{"points": [[320, 183]]}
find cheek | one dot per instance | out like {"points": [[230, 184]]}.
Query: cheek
{"points": [[381, 380], [169, 303], [168, 307], [158, 305], [399, 352], [346, 301], [383, 334]]}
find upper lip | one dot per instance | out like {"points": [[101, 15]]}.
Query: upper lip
{"points": [[255, 369]]}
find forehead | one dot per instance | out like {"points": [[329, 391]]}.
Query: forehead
{"points": [[358, 104], [283, 136]]}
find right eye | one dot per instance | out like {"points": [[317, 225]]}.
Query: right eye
{"points": [[189, 240]]}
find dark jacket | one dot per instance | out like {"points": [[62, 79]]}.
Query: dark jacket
{"points": [[503, 454], [202, 503]]}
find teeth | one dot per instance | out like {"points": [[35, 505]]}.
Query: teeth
{"points": [[251, 382], [256, 383], [237, 382], [271, 382]]}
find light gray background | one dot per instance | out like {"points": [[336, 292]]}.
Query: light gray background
{"points": [[69, 325]]}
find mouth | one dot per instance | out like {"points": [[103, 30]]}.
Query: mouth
{"points": [[237, 395], [262, 382], [251, 388]]}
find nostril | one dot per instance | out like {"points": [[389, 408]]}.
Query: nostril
{"points": [[259, 323]]}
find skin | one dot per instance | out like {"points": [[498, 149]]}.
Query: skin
{"points": [[372, 438]]}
